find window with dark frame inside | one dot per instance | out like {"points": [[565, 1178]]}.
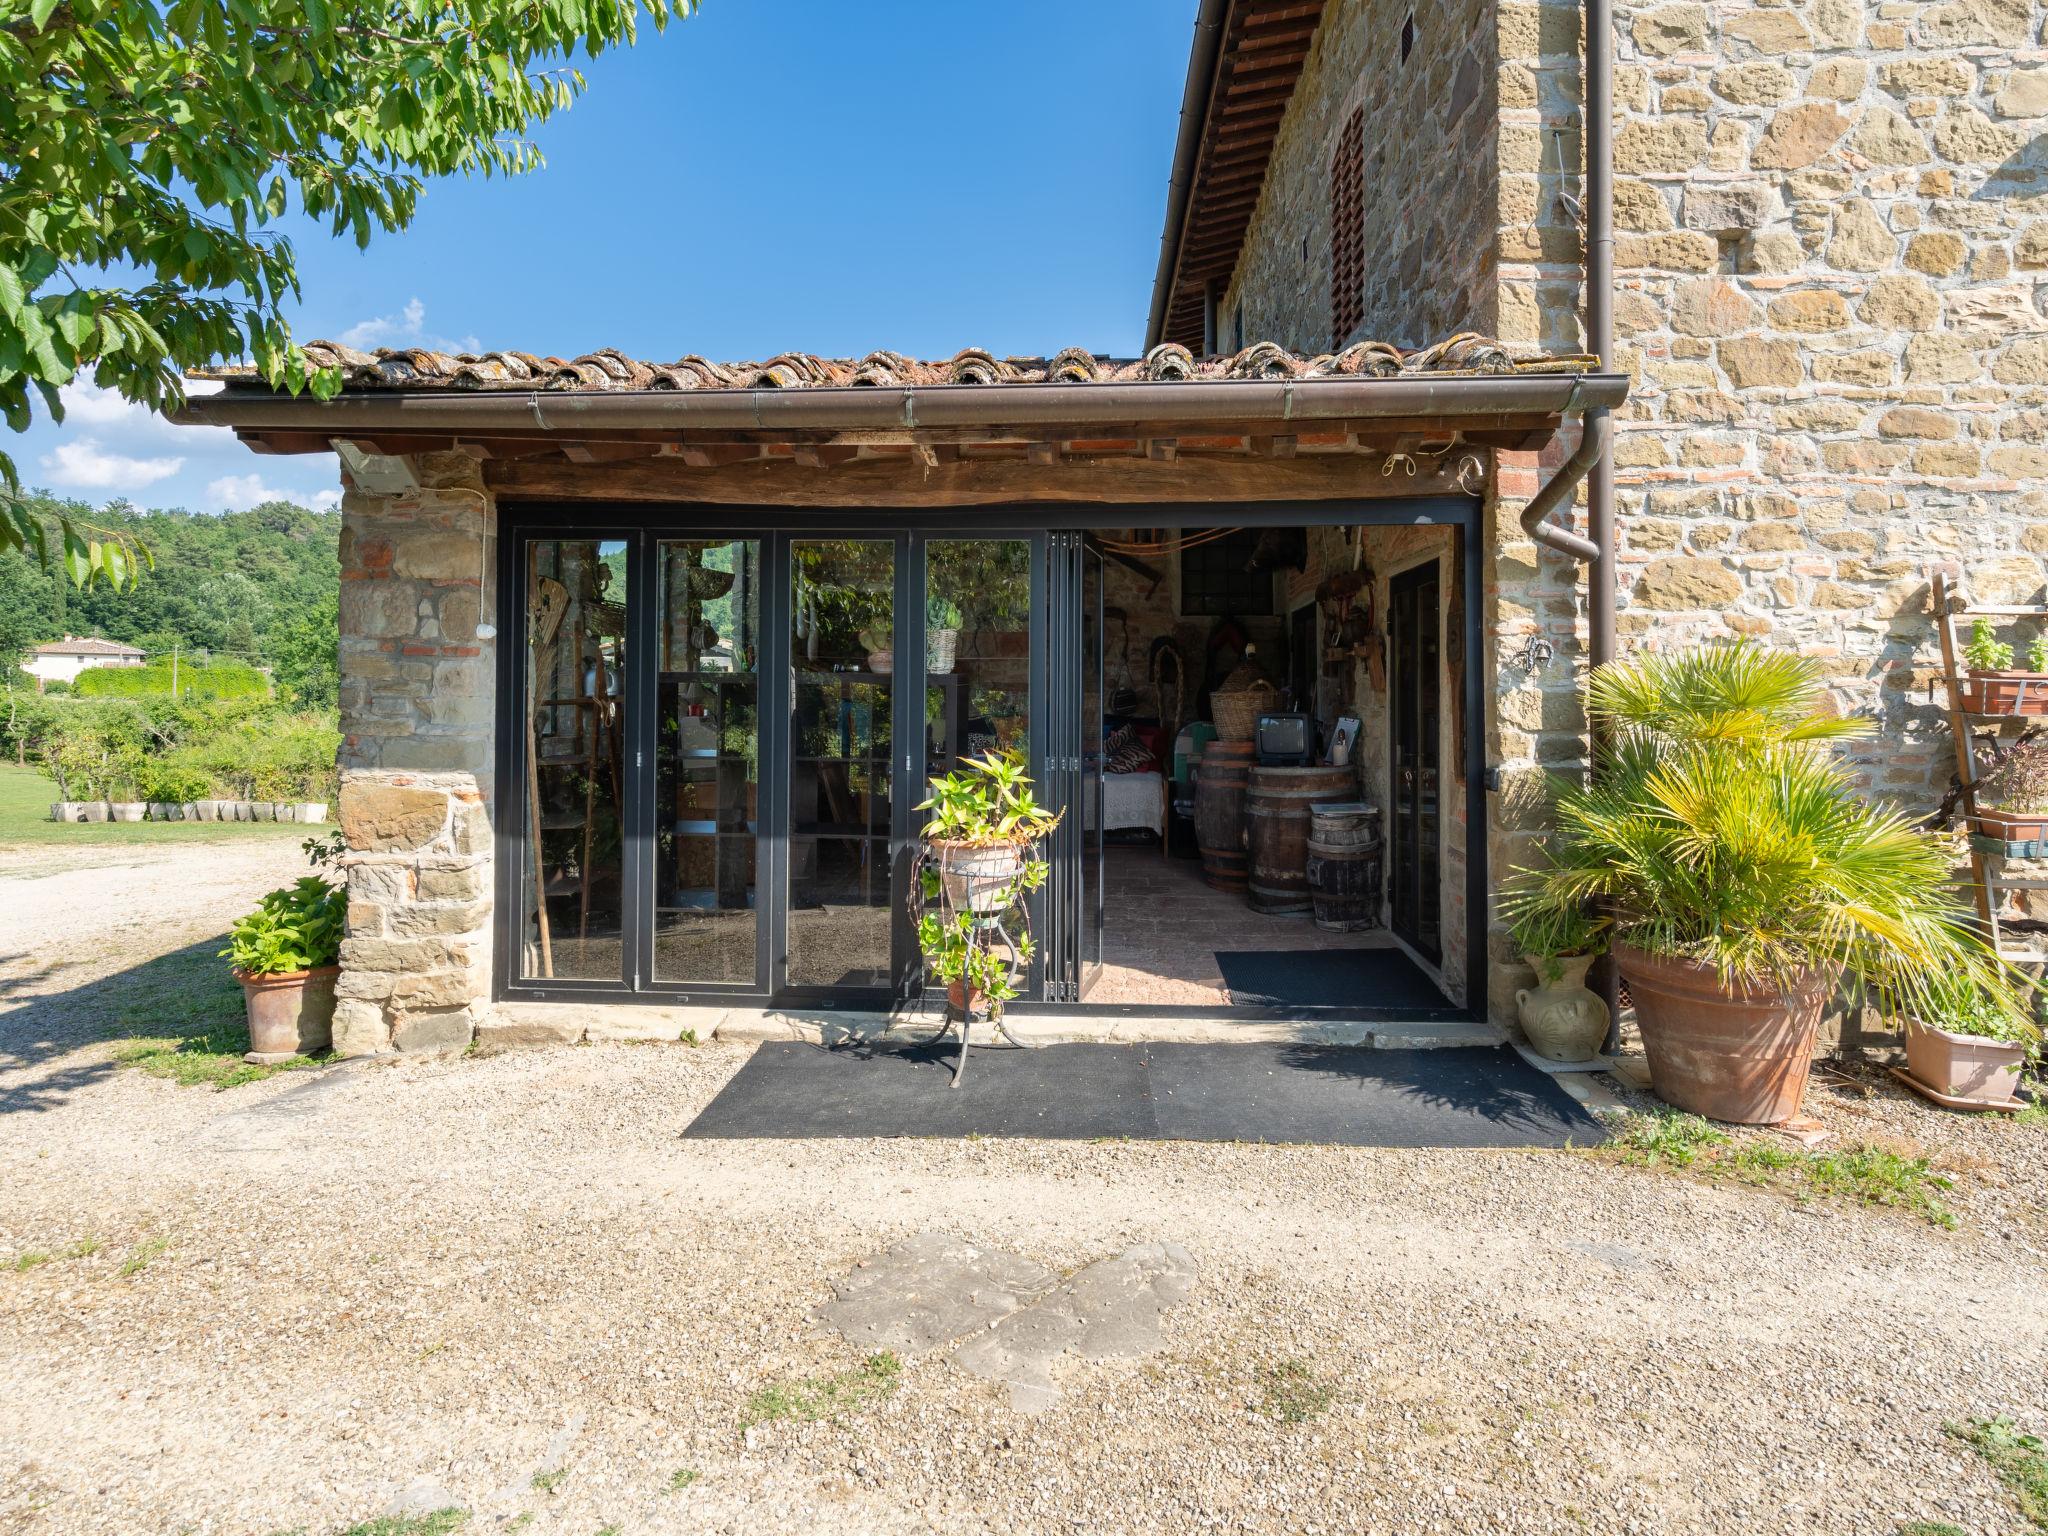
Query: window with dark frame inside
{"points": [[1216, 579]]}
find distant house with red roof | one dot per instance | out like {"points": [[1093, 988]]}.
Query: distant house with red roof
{"points": [[60, 661]]}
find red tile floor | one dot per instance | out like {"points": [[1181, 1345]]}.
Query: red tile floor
{"points": [[1162, 926]]}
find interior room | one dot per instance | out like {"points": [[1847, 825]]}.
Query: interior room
{"points": [[1244, 893]]}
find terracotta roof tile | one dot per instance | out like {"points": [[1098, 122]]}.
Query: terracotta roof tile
{"points": [[415, 368], [86, 647]]}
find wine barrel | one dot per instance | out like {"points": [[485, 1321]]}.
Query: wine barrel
{"points": [[1219, 812], [1344, 866], [1277, 802]]}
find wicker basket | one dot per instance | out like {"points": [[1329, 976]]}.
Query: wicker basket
{"points": [[1237, 710], [942, 648]]}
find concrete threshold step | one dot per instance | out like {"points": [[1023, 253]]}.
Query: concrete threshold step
{"points": [[515, 1024]]}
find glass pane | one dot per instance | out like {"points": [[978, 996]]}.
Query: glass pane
{"points": [[1094, 652], [842, 650], [573, 888], [708, 762], [977, 649]]}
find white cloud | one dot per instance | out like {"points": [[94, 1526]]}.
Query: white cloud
{"points": [[83, 464], [405, 329], [238, 493], [103, 413]]}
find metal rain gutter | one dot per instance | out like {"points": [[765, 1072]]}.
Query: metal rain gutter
{"points": [[1194, 117], [909, 407]]}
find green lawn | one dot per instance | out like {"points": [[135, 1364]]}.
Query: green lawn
{"points": [[25, 797]]}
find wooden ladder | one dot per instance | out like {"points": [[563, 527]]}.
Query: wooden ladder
{"points": [[1987, 861]]}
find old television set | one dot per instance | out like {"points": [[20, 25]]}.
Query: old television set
{"points": [[1286, 741]]}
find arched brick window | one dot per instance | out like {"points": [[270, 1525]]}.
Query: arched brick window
{"points": [[1347, 231]]}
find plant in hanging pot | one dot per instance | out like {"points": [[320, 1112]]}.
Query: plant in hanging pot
{"points": [[1996, 688], [1743, 877], [984, 820], [1562, 1018], [285, 954], [942, 621], [2012, 796], [1969, 1044]]}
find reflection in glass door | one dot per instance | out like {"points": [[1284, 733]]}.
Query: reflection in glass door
{"points": [[707, 828], [842, 647], [573, 906], [1414, 665]]}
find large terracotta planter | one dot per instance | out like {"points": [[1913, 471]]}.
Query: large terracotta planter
{"points": [[291, 1014], [1563, 1020], [1963, 1066], [1738, 1053]]}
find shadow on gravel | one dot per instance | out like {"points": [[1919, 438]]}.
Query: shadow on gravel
{"points": [[185, 1001]]}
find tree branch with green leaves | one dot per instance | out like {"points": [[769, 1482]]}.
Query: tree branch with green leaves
{"points": [[149, 151]]}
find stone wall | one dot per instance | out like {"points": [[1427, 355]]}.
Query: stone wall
{"points": [[1430, 147], [1832, 257], [417, 682]]}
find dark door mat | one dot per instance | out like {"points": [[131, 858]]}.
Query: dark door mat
{"points": [[1326, 978], [1342, 1095]]}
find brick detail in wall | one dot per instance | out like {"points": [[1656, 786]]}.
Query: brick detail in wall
{"points": [[1347, 231], [417, 688]]}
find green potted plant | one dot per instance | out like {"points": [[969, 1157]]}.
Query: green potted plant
{"points": [[2016, 789], [1968, 1044], [984, 820], [286, 955], [1562, 1018], [976, 974], [1742, 876], [942, 621], [1995, 687]]}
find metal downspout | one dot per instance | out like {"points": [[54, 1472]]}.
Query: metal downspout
{"points": [[1600, 579]]}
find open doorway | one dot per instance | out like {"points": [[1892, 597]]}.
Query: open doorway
{"points": [[1316, 865]]}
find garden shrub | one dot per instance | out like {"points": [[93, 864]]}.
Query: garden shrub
{"points": [[196, 680]]}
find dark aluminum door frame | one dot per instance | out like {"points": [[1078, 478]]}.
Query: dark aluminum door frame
{"points": [[520, 518], [1415, 748]]}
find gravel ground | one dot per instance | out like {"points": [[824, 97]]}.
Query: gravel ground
{"points": [[439, 1279]]}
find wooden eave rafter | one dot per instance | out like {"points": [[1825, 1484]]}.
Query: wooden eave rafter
{"points": [[1266, 43]]}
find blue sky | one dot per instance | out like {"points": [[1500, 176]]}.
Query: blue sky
{"points": [[771, 175]]}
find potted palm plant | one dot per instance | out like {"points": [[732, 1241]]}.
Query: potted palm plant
{"points": [[285, 954], [1562, 1018], [1967, 1044], [1743, 877], [1995, 687]]}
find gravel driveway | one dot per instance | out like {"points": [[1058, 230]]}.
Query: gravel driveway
{"points": [[504, 1282]]}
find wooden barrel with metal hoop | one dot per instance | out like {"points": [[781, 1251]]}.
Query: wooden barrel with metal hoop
{"points": [[1219, 812], [1344, 865], [1276, 804]]}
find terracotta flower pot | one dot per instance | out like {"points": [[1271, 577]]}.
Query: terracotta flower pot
{"points": [[1964, 1066], [961, 998], [1737, 1053], [2007, 693], [290, 1014], [979, 879], [1564, 1020]]}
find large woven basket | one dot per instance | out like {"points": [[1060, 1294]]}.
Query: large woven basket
{"points": [[1238, 709]]}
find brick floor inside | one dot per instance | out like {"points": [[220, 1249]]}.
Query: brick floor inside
{"points": [[1163, 925]]}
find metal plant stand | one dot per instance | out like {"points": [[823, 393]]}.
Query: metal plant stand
{"points": [[988, 934]]}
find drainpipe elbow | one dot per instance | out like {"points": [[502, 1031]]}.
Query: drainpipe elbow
{"points": [[1557, 492]]}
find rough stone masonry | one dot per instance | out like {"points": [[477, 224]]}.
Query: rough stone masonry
{"points": [[1832, 262], [417, 681]]}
